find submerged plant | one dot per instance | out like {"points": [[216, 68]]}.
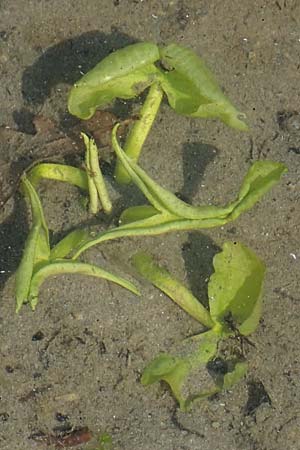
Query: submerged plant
{"points": [[165, 213], [168, 213], [172, 70], [234, 292], [39, 261]]}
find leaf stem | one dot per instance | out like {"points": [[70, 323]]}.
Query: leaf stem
{"points": [[98, 178], [162, 279], [139, 131]]}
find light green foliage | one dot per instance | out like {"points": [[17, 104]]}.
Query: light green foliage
{"points": [[234, 290], [235, 286], [140, 130], [189, 85], [64, 247], [174, 370], [234, 293], [90, 180], [39, 262], [161, 278], [123, 74], [260, 178], [168, 213], [58, 172], [192, 89], [37, 248]]}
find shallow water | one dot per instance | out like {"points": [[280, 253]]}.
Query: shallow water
{"points": [[95, 338]]}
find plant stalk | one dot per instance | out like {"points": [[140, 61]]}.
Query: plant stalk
{"points": [[139, 132], [96, 183], [98, 178], [93, 205]]}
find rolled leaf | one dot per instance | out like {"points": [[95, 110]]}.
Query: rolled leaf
{"points": [[261, 176], [168, 213], [124, 74], [37, 247], [58, 172], [96, 183], [58, 267], [192, 89]]}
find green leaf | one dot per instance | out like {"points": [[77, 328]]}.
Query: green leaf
{"points": [[136, 213], [192, 89], [168, 213], [68, 244], [162, 279], [59, 172], [180, 372], [62, 266], [123, 74], [175, 369], [234, 289], [37, 247], [260, 178]]}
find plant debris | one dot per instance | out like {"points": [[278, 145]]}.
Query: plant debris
{"points": [[76, 437]]}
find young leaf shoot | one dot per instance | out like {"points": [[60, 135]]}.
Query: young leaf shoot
{"points": [[234, 290]]}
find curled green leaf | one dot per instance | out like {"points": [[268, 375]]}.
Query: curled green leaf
{"points": [[168, 213], [261, 176], [58, 267], [124, 74], [192, 89], [37, 247], [59, 172]]}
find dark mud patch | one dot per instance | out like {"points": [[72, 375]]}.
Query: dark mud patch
{"points": [[67, 61], [257, 395]]}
